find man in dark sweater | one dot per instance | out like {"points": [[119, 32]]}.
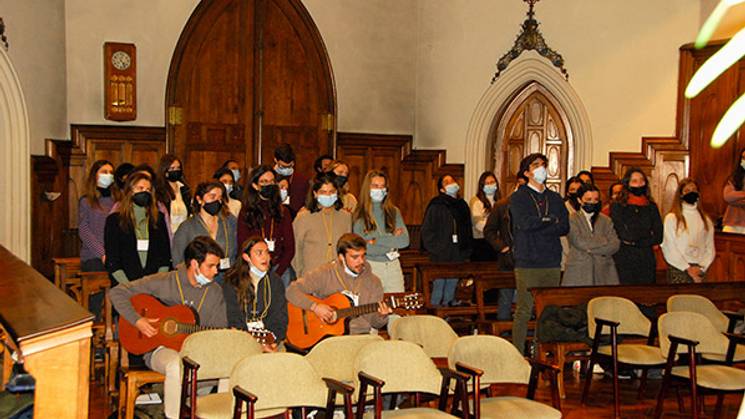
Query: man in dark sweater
{"points": [[191, 285], [284, 165], [539, 219]]}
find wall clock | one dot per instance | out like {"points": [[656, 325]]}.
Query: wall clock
{"points": [[120, 81]]}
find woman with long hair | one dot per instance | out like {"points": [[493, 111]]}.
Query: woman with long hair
{"points": [[172, 190], [734, 195], [227, 178], [135, 236], [210, 217], [264, 215], [341, 170], [254, 294], [481, 206], [380, 223], [639, 227], [688, 245], [319, 228], [93, 208]]}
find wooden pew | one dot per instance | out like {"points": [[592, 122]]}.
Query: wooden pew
{"points": [[720, 293]]}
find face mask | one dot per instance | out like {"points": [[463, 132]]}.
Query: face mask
{"points": [[283, 195], [490, 189], [452, 189], [349, 272], [341, 181], [268, 191], [638, 190], [327, 201], [690, 197], [540, 174], [105, 180], [570, 196], [201, 279], [258, 272], [284, 171], [174, 175], [212, 208], [236, 174], [591, 208], [228, 187], [141, 199], [378, 195]]}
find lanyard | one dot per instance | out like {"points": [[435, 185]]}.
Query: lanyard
{"points": [[181, 293], [538, 207], [329, 227], [266, 298], [271, 231], [224, 231]]}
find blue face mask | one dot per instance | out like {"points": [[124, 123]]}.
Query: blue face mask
{"points": [[283, 195], [452, 189], [201, 279], [236, 174], [378, 195], [327, 201], [490, 189], [258, 272], [228, 187], [284, 171], [105, 180]]}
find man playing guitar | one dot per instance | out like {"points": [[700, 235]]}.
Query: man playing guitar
{"points": [[190, 284], [350, 275]]}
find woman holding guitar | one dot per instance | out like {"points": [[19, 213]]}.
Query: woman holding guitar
{"points": [[254, 294]]}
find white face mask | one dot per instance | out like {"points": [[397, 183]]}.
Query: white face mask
{"points": [[349, 272], [540, 174], [378, 195], [236, 174], [256, 271], [105, 180]]}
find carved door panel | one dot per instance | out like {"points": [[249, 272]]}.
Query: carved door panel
{"points": [[246, 76], [532, 124]]}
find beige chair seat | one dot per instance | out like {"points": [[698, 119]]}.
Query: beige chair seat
{"points": [[413, 413], [715, 377], [739, 355], [220, 406], [637, 354], [516, 407]]}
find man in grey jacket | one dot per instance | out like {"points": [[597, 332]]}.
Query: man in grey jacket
{"points": [[190, 284]]}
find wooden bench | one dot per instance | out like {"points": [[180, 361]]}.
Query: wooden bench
{"points": [[721, 293]]}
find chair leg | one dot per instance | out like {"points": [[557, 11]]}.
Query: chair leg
{"points": [[560, 361], [661, 396], [694, 400], [681, 404], [642, 384], [718, 408], [122, 395], [132, 391], [588, 379]]}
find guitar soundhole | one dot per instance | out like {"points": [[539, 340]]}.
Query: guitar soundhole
{"points": [[169, 327]]}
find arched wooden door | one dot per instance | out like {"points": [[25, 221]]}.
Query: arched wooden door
{"points": [[533, 123], [246, 76]]}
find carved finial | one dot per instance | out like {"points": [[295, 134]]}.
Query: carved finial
{"points": [[530, 38]]}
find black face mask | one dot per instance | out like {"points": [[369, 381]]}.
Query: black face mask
{"points": [[142, 199], [690, 197], [174, 175], [212, 208], [269, 191], [638, 190], [341, 181], [570, 195], [105, 192], [591, 208]]}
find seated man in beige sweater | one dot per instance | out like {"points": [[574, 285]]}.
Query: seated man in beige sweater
{"points": [[349, 274]]}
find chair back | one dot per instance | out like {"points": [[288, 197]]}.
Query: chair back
{"points": [[430, 332], [693, 326], [617, 309], [497, 357], [280, 380], [334, 357], [217, 351], [404, 366], [701, 305]]}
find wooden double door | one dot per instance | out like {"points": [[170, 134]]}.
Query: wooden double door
{"points": [[246, 76]]}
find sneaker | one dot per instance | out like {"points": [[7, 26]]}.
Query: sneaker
{"points": [[597, 369]]}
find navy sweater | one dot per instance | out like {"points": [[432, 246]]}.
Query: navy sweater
{"points": [[538, 222]]}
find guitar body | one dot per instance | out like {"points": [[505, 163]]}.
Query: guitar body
{"points": [[304, 329], [148, 306]]}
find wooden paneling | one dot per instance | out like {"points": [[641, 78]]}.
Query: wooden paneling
{"points": [[413, 173], [246, 76], [729, 263]]}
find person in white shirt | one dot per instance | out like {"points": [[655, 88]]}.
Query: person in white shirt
{"points": [[592, 243], [481, 206], [688, 244]]}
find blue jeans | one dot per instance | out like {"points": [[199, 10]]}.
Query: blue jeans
{"points": [[287, 277], [443, 291], [504, 304]]}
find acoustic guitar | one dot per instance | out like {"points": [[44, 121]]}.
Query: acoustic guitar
{"points": [[174, 325], [305, 329]]}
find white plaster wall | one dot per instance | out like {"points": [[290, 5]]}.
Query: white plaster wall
{"points": [[36, 33], [622, 58]]}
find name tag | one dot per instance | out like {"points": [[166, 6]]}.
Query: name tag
{"points": [[225, 263], [455, 238], [352, 296], [256, 325], [393, 255], [270, 244], [143, 245]]}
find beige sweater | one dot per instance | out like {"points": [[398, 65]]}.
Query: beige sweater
{"points": [[316, 235], [323, 281]]}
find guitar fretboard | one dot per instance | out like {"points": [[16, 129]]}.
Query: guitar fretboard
{"points": [[356, 311]]}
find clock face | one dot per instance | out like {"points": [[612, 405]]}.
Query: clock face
{"points": [[121, 60]]}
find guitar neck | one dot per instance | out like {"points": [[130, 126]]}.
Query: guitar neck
{"points": [[357, 311], [193, 328]]}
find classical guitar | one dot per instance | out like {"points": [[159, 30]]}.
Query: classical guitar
{"points": [[304, 329], [174, 325]]}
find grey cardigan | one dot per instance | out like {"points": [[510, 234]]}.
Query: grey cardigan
{"points": [[590, 260], [193, 227]]}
